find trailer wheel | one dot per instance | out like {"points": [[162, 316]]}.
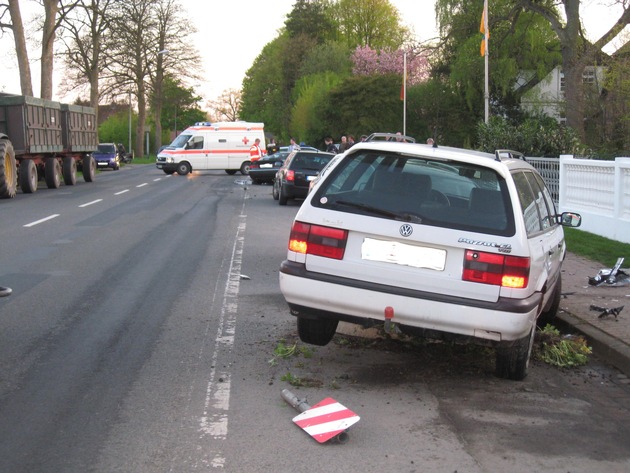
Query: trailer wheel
{"points": [[89, 168], [8, 170], [28, 176], [69, 171], [52, 173]]}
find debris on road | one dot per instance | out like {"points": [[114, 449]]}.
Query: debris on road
{"points": [[611, 276], [605, 312]]}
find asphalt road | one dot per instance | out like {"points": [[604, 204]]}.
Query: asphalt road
{"points": [[140, 337]]}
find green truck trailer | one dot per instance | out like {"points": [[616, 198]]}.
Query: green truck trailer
{"points": [[43, 139]]}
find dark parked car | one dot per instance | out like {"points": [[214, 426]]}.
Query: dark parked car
{"points": [[265, 169], [106, 156], [300, 168]]}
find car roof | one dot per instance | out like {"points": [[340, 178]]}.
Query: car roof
{"points": [[500, 160]]}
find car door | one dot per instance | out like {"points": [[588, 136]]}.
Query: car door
{"points": [[544, 235]]}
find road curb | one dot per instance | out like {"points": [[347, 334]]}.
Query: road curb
{"points": [[605, 346]]}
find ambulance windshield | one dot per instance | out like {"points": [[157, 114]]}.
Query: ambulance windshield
{"points": [[180, 141]]}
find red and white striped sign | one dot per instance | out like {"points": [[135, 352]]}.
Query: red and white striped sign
{"points": [[326, 419]]}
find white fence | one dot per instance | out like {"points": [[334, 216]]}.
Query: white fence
{"points": [[600, 192]]}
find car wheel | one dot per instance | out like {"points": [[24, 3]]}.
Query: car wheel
{"points": [[183, 168], [282, 197], [512, 361], [548, 316], [274, 192], [316, 331], [230, 172], [245, 168]]}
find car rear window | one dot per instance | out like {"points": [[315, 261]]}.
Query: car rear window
{"points": [[443, 193], [309, 161]]}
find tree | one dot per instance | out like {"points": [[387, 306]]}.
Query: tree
{"points": [[311, 18], [577, 52], [226, 107], [374, 23], [17, 27], [82, 33]]}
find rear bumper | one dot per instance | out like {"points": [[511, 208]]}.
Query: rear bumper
{"points": [[323, 296]]}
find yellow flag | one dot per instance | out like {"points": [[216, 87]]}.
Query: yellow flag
{"points": [[483, 30]]}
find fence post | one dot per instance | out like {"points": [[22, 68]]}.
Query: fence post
{"points": [[562, 184]]}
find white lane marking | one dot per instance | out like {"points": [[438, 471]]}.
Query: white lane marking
{"points": [[158, 179], [214, 419], [91, 203], [37, 222], [121, 192], [143, 184]]}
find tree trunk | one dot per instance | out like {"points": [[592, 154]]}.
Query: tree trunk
{"points": [[48, 41], [573, 68], [142, 118], [26, 83]]}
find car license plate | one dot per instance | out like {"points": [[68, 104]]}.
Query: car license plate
{"points": [[266, 166], [403, 254], [310, 178]]}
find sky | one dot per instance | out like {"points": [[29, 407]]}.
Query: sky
{"points": [[231, 34]]}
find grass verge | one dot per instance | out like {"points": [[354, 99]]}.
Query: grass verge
{"points": [[595, 247]]}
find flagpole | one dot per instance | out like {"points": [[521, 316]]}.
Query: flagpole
{"points": [[405, 93], [486, 34]]}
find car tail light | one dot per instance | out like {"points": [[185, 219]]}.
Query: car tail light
{"points": [[290, 175], [495, 269], [317, 240]]}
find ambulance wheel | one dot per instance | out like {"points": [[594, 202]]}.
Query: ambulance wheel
{"points": [[168, 171], [231, 172], [245, 168], [183, 168]]}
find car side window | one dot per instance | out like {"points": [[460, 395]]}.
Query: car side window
{"points": [[536, 212]]}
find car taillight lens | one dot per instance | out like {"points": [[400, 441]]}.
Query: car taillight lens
{"points": [[317, 240], [495, 269], [290, 175]]}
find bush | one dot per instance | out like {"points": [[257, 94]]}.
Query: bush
{"points": [[536, 136]]}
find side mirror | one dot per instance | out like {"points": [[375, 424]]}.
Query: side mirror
{"points": [[570, 219]]}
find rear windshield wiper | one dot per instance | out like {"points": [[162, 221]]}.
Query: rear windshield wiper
{"points": [[404, 216]]}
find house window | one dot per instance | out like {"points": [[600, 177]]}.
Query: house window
{"points": [[588, 76]]}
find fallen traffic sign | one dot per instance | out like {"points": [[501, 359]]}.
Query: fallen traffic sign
{"points": [[326, 420]]}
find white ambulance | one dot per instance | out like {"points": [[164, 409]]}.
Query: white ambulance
{"points": [[211, 146]]}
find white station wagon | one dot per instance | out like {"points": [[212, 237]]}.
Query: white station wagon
{"points": [[437, 242]]}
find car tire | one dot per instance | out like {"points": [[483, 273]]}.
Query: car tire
{"points": [[274, 192], [512, 361], [548, 316], [245, 168], [282, 196], [183, 168], [316, 331]]}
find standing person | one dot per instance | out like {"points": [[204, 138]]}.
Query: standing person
{"points": [[330, 146], [5, 291], [350, 141], [255, 152], [293, 146], [272, 147], [363, 138], [344, 144]]}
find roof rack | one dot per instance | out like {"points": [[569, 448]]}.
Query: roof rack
{"points": [[509, 154], [390, 137]]}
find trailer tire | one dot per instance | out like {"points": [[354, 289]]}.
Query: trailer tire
{"points": [[8, 170], [89, 168], [52, 173], [69, 171], [28, 176]]}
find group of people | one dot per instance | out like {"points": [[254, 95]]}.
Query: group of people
{"points": [[346, 143]]}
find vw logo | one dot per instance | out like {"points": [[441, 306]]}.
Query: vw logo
{"points": [[406, 230]]}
